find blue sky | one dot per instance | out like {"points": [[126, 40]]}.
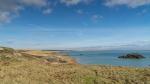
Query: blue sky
{"points": [[63, 24]]}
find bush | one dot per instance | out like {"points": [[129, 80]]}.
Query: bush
{"points": [[7, 50]]}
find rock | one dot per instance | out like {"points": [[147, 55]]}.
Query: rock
{"points": [[132, 56], [81, 54], [51, 59]]}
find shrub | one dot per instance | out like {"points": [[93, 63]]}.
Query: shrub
{"points": [[7, 50]]}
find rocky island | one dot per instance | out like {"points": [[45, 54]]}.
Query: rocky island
{"points": [[132, 56]]}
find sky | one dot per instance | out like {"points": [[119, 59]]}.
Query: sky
{"points": [[69, 24]]}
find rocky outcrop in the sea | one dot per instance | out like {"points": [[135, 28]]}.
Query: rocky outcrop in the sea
{"points": [[132, 56]]}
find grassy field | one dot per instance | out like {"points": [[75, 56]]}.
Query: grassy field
{"points": [[35, 72], [22, 69]]}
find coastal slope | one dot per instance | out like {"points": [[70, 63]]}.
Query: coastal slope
{"points": [[51, 67]]}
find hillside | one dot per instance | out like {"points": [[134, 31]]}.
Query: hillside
{"points": [[9, 54], [34, 67]]}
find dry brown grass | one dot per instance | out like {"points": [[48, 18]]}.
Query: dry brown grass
{"points": [[35, 72], [60, 58], [42, 53]]}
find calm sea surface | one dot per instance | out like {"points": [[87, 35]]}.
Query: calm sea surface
{"points": [[110, 58]]}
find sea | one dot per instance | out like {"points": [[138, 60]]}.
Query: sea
{"points": [[110, 57]]}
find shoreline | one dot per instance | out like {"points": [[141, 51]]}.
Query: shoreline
{"points": [[53, 57], [32, 67], [110, 58]]}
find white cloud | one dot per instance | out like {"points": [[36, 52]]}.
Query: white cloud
{"points": [[70, 2], [11, 8], [96, 17], [4, 16], [143, 12], [129, 3], [75, 2], [80, 11], [48, 11], [39, 3], [87, 1]]}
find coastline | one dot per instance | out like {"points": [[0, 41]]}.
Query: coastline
{"points": [[30, 67], [110, 58]]}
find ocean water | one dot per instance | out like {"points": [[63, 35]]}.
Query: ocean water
{"points": [[110, 58]]}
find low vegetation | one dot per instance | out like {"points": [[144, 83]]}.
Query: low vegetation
{"points": [[24, 69], [9, 54], [34, 72]]}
